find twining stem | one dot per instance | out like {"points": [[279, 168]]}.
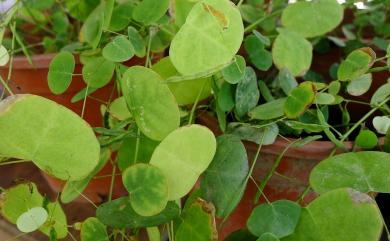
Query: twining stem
{"points": [[260, 20]]}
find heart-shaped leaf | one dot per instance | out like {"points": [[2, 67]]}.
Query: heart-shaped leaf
{"points": [[149, 11], [347, 214], [98, 72], [32, 220], [186, 92], [279, 218], [299, 99], [234, 73], [210, 37], [360, 85], [224, 181], [381, 124], [18, 200], [151, 102], [60, 72], [187, 150], [92, 230], [311, 19], [119, 49], [247, 93], [147, 187], [71, 157], [120, 214], [356, 64], [197, 222], [292, 51], [363, 171]]}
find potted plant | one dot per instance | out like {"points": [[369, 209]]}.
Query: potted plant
{"points": [[161, 154]]}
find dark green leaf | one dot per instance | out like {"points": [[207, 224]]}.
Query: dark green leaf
{"points": [[235, 72], [366, 139], [93, 230], [247, 93]]}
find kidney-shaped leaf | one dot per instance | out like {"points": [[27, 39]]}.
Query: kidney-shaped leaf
{"points": [[32, 220], [363, 171], [279, 218], [210, 37], [292, 51], [151, 102], [93, 230], [56, 139], [314, 18], [119, 49], [356, 64], [149, 11], [299, 99], [60, 72], [224, 180], [120, 214], [188, 151], [197, 222], [342, 214], [148, 189]]}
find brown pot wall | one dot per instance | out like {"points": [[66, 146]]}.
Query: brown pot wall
{"points": [[296, 164]]}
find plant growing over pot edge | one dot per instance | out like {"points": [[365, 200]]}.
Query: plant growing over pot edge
{"points": [[151, 126]]}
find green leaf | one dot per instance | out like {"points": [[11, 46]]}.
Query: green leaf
{"points": [[363, 171], [235, 72], [155, 117], [268, 237], [293, 52], [388, 54], [93, 230], [210, 37], [334, 87], [187, 150], [268, 111], [32, 220], [223, 183], [98, 72], [265, 135], [121, 16], [258, 55], [60, 72], [147, 187], [137, 42], [149, 11], [92, 29], [71, 157], [356, 64], [381, 94], [299, 100], [120, 214], [118, 109], [119, 49], [241, 235], [324, 99], [153, 234], [4, 56], [309, 128], [359, 85], [186, 92], [17, 200], [126, 152], [197, 222], [347, 214], [366, 139], [225, 97], [247, 93], [329, 134], [381, 124], [182, 9], [108, 11], [72, 189], [80, 9], [312, 19], [286, 81], [280, 218], [81, 94]]}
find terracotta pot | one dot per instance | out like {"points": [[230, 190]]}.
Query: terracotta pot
{"points": [[32, 79], [295, 168]]}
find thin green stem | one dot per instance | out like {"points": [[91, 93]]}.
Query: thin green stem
{"points": [[378, 69], [112, 181], [240, 3], [147, 61], [6, 86], [137, 143], [259, 190], [13, 162], [303, 194], [84, 102], [260, 20], [192, 114]]}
